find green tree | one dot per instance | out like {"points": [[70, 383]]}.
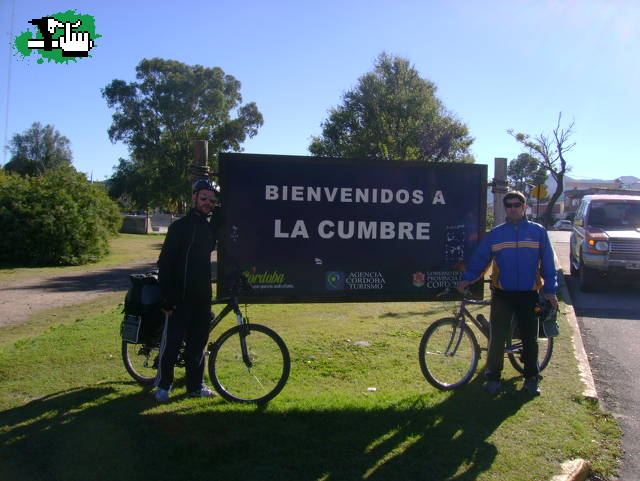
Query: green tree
{"points": [[57, 218], [549, 150], [37, 150], [159, 116], [129, 185], [525, 172], [393, 113]]}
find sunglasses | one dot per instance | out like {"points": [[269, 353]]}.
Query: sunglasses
{"points": [[515, 205]]}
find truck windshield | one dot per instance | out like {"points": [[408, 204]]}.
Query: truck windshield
{"points": [[615, 214]]}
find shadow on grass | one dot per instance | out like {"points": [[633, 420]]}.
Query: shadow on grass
{"points": [[95, 433], [404, 315], [107, 279]]}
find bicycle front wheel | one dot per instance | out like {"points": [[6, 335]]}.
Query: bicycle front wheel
{"points": [[249, 364], [448, 354], [140, 361], [514, 352]]}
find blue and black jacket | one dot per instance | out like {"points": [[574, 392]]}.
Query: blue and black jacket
{"points": [[521, 257]]}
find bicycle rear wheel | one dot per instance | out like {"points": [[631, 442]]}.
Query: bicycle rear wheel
{"points": [[545, 350], [141, 361], [448, 354], [255, 378]]}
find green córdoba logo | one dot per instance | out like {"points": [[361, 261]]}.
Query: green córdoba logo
{"points": [[58, 37]]}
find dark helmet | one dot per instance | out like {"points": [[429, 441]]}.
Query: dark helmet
{"points": [[204, 184]]}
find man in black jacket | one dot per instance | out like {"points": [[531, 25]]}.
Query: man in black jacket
{"points": [[185, 281]]}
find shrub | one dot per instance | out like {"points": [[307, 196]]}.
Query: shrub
{"points": [[58, 218], [489, 220]]}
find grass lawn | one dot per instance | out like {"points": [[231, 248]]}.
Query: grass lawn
{"points": [[69, 411]]}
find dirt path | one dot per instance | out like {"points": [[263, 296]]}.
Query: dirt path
{"points": [[19, 300]]}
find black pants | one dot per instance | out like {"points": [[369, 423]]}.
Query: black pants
{"points": [[188, 323], [504, 304]]}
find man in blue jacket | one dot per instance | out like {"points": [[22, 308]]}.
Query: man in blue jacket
{"points": [[522, 263], [184, 269]]}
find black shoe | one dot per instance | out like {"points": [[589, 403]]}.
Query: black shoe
{"points": [[530, 386], [492, 387]]}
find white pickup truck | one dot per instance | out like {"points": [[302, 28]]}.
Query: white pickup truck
{"points": [[605, 240]]}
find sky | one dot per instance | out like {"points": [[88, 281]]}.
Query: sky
{"points": [[497, 65]]}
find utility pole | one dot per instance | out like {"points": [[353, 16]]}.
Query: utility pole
{"points": [[537, 191], [200, 166], [499, 188]]}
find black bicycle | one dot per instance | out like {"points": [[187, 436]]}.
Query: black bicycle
{"points": [[248, 363], [449, 351]]}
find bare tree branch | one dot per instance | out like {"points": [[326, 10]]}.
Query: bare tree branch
{"points": [[549, 151]]}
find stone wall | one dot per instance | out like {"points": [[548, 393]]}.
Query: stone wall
{"points": [[135, 224], [142, 224]]}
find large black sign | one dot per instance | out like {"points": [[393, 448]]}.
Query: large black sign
{"points": [[306, 229]]}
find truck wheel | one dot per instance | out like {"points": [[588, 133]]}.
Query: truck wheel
{"points": [[572, 268], [588, 278]]}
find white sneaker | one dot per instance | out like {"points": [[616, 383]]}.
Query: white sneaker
{"points": [[204, 391], [161, 395]]}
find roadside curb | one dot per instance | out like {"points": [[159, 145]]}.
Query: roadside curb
{"points": [[586, 376], [574, 470]]}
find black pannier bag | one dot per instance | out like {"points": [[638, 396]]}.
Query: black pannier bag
{"points": [[143, 318]]}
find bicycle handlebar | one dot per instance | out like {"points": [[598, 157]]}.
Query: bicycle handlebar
{"points": [[242, 285], [244, 282]]}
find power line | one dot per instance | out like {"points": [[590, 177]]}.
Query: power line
{"points": [[6, 114]]}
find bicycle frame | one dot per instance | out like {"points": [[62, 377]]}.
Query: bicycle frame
{"points": [[457, 334], [464, 312], [483, 328], [232, 305]]}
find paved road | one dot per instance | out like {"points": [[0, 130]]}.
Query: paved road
{"points": [[610, 325]]}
